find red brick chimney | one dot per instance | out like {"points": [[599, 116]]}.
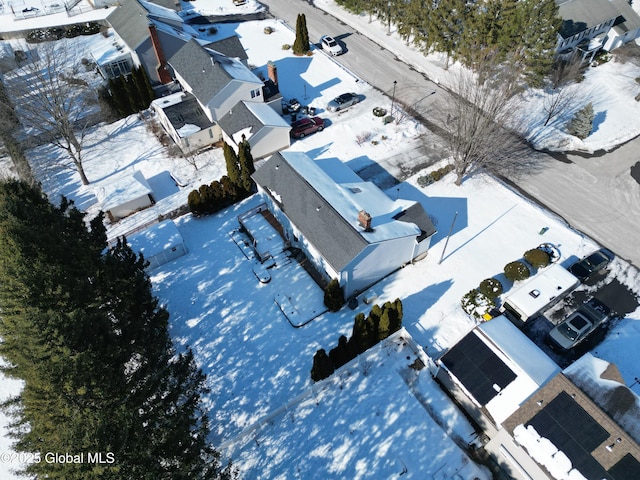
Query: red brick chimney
{"points": [[272, 72], [163, 72], [364, 219]]}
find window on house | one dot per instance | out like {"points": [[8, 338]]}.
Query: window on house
{"points": [[255, 93]]}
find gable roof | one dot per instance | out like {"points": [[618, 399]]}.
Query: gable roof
{"points": [[248, 118], [131, 23], [207, 72], [326, 210], [230, 47], [579, 15], [115, 192]]}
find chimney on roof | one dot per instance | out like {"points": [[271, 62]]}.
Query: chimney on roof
{"points": [[272, 72], [162, 70], [364, 219]]}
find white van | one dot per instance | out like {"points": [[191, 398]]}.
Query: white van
{"points": [[538, 293]]}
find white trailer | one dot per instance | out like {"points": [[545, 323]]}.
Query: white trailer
{"points": [[538, 293]]}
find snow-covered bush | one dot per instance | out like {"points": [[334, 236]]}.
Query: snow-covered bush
{"points": [[517, 270], [476, 303], [491, 288]]}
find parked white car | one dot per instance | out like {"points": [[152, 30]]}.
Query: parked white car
{"points": [[329, 45]]}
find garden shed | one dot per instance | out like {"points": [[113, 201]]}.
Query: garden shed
{"points": [[160, 243], [124, 195]]}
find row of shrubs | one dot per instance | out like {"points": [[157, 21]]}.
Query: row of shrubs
{"points": [[435, 175], [367, 331], [214, 197], [480, 300], [70, 31]]}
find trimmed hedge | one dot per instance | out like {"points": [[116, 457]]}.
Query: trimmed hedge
{"points": [[491, 288], [517, 270], [476, 304], [537, 258]]}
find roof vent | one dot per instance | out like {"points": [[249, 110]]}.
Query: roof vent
{"points": [[364, 219]]}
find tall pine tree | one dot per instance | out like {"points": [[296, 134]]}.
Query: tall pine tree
{"points": [[83, 330]]}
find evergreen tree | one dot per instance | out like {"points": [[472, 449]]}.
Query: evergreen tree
{"points": [[447, 26], [384, 325], [143, 97], [131, 94], [322, 367], [396, 318], [582, 123], [537, 38], [341, 354], [84, 332], [247, 168], [333, 296], [360, 334], [233, 166], [119, 96], [194, 201], [299, 45]]}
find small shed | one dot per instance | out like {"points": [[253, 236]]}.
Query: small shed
{"points": [[124, 195], [159, 244]]}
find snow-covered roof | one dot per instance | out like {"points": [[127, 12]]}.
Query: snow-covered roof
{"points": [[115, 192], [602, 382], [156, 239], [349, 198], [235, 68], [531, 367], [541, 289], [161, 12], [266, 114]]}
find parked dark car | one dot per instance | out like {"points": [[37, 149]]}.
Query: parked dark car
{"points": [[591, 264], [343, 101], [306, 126], [578, 326]]}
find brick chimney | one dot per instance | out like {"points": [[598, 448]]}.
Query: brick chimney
{"points": [[272, 72], [364, 219], [162, 70]]}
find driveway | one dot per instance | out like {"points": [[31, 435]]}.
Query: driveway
{"points": [[596, 195]]}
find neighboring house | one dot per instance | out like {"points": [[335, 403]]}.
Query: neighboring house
{"points": [[159, 244], [589, 25], [266, 131], [584, 423], [218, 82], [185, 122], [491, 372], [151, 33], [124, 195], [348, 228]]}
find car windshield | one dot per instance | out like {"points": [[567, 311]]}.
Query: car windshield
{"points": [[331, 42], [566, 330]]}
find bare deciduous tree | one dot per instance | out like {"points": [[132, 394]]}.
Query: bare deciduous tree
{"points": [[52, 100], [562, 93], [474, 115]]}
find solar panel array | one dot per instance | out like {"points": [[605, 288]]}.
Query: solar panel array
{"points": [[478, 368]]}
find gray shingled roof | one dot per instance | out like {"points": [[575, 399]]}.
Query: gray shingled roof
{"points": [[415, 214], [189, 112], [130, 21], [238, 118], [579, 15], [230, 47], [336, 240]]}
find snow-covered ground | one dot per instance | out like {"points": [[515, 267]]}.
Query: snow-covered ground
{"points": [[257, 363]]}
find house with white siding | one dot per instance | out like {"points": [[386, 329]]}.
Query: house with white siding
{"points": [[350, 229]]}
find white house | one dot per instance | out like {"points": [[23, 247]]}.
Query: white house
{"points": [[591, 25], [124, 195], [185, 122], [160, 243], [348, 228], [266, 131]]}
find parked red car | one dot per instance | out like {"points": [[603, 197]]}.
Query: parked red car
{"points": [[306, 126]]}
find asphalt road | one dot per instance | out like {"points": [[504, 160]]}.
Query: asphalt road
{"points": [[595, 194]]}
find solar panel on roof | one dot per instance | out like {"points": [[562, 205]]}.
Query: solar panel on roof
{"points": [[572, 430], [628, 468], [478, 368]]}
